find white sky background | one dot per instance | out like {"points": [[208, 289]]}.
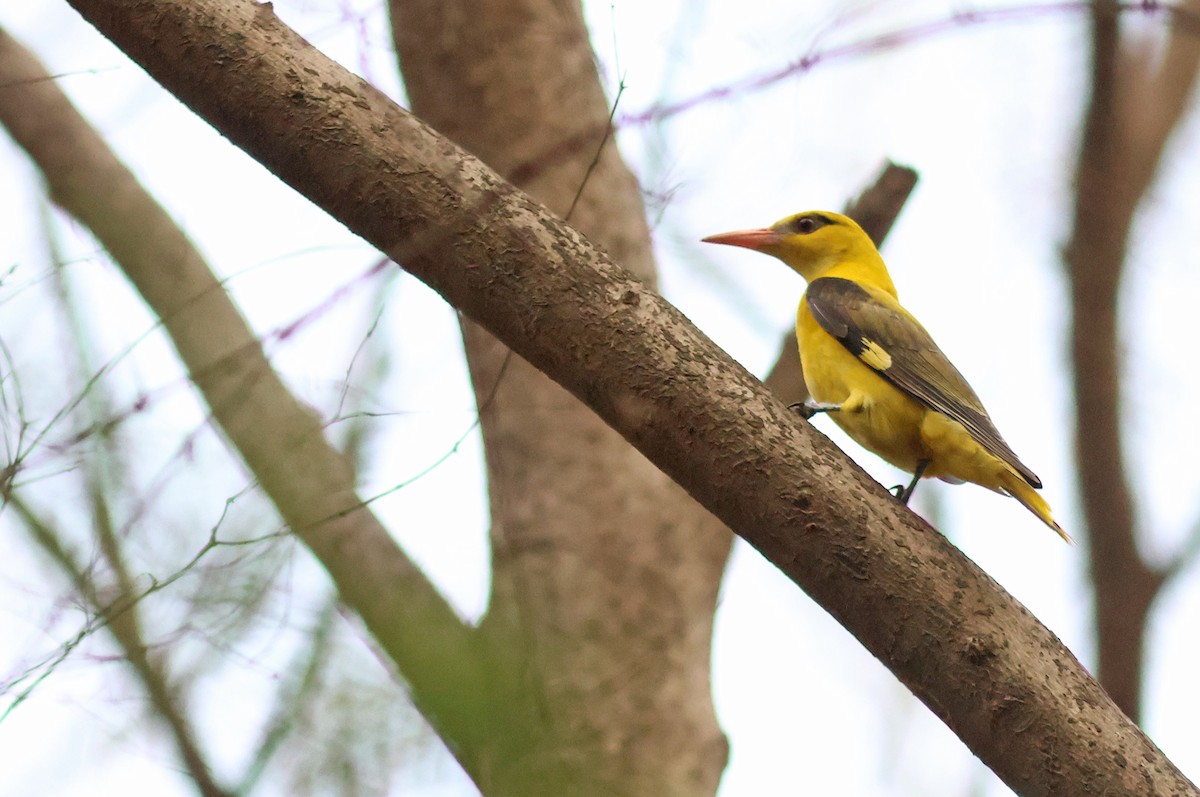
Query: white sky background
{"points": [[988, 114]]}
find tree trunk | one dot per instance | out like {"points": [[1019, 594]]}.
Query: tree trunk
{"points": [[604, 572], [1131, 113]]}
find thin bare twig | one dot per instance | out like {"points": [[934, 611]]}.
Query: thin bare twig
{"points": [[1177, 17]]}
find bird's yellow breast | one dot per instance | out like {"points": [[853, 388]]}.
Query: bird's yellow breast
{"points": [[877, 415]]}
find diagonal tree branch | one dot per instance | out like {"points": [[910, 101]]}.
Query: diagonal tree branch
{"points": [[975, 656], [280, 440]]}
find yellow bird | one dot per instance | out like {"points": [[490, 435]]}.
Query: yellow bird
{"points": [[871, 365]]}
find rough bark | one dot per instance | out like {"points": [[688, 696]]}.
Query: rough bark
{"points": [[1130, 115], [605, 573], [977, 658]]}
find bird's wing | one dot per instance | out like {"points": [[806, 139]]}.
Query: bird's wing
{"points": [[877, 330]]}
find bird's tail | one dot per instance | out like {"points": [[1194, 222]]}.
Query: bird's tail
{"points": [[1021, 490]]}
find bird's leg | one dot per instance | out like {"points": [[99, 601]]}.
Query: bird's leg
{"points": [[904, 493], [810, 408]]}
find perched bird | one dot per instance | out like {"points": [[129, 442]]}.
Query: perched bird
{"points": [[871, 365]]}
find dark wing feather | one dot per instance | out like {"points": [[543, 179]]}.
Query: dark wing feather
{"points": [[864, 324]]}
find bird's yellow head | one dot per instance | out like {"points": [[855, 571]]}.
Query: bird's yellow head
{"points": [[813, 243]]}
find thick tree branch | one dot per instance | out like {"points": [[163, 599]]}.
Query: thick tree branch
{"points": [[977, 658], [281, 441]]}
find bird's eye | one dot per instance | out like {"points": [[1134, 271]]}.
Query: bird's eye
{"points": [[806, 224]]}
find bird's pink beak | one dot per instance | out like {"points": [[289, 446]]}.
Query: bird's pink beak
{"points": [[750, 239]]}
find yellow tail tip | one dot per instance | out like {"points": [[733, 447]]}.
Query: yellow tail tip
{"points": [[1059, 530], [1019, 489]]}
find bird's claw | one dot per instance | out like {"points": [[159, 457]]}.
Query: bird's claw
{"points": [[809, 408], [903, 493]]}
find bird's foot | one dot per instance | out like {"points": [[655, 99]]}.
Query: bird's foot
{"points": [[903, 493], [810, 408]]}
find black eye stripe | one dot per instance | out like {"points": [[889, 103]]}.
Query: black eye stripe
{"points": [[808, 223]]}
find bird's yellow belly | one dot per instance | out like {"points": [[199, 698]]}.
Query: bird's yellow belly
{"points": [[878, 416], [886, 421]]}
